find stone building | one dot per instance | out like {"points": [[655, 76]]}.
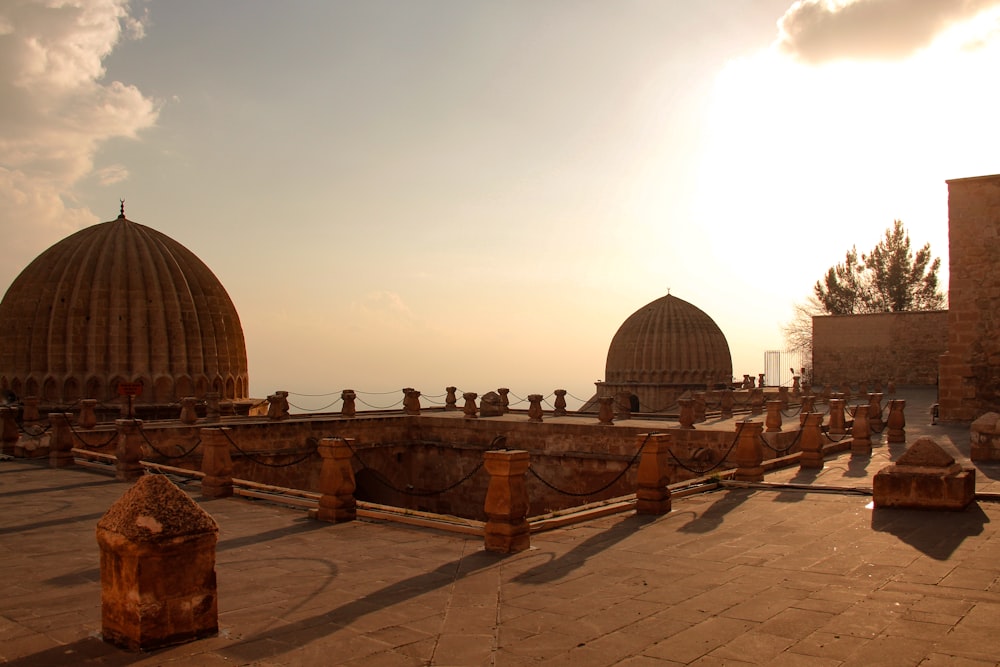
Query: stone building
{"points": [[664, 349], [116, 303]]}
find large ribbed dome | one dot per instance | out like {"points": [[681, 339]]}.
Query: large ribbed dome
{"points": [[669, 341], [120, 302]]}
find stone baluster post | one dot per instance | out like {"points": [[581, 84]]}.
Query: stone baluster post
{"points": [[450, 400], [748, 381], [773, 419], [277, 406], [749, 452], [861, 434], [686, 415], [863, 388], [837, 426], [506, 529], [504, 399], [760, 380], [896, 421], [8, 430], [213, 412], [796, 386], [827, 393], [216, 463], [411, 401], [878, 386], [757, 401], [336, 481], [535, 408], [560, 403], [845, 391], [349, 407], [698, 406], [30, 415], [623, 405], [891, 387], [189, 410], [652, 495], [807, 387], [808, 401], [128, 451], [783, 397], [87, 419], [875, 411], [606, 410], [726, 404], [61, 440], [470, 408], [811, 441]]}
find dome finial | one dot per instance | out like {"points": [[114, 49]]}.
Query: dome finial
{"points": [[122, 209]]}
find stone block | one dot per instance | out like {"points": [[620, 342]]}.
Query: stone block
{"points": [[985, 436], [925, 477], [158, 584]]}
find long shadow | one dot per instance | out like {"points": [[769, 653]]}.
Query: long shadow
{"points": [[803, 476], [50, 489], [51, 522], [89, 651], [936, 534], [713, 517], [557, 568], [989, 469]]}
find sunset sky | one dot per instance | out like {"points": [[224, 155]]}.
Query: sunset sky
{"points": [[432, 192]]}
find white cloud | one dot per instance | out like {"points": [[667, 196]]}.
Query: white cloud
{"points": [[822, 30], [57, 109]]}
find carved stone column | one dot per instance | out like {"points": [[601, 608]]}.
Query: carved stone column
{"points": [[30, 414], [128, 451], [506, 506], [450, 400], [336, 481], [686, 415], [213, 412], [875, 411], [606, 410], [749, 452], [796, 387], [861, 434], [216, 463], [726, 404], [277, 406], [760, 380], [189, 410], [896, 421], [806, 406], [411, 401], [783, 397], [504, 400], [560, 403], [757, 401], [698, 406], [470, 404], [61, 440], [535, 408], [8, 430], [773, 419], [811, 441], [837, 426], [348, 409], [87, 419], [652, 495]]}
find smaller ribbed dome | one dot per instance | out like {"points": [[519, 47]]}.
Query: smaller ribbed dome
{"points": [[669, 341]]}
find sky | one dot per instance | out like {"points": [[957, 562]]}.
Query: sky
{"points": [[423, 193]]}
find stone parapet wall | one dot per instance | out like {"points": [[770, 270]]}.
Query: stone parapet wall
{"points": [[905, 347]]}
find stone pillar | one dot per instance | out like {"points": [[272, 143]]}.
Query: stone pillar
{"points": [[348, 408], [878, 387], [891, 387], [652, 495], [783, 397], [796, 387], [213, 411], [506, 529], [749, 452], [875, 411], [837, 426], [216, 463], [8, 430], [450, 400], [189, 410], [277, 406], [925, 477], [807, 388], [896, 421], [757, 401], [623, 405], [760, 380], [30, 414], [87, 419], [606, 410], [726, 404], [128, 451], [686, 416], [61, 440], [808, 401], [748, 382], [158, 584], [861, 434], [411, 401], [845, 390], [504, 399], [535, 408], [336, 481], [773, 419], [811, 441], [863, 388], [560, 404], [699, 407], [470, 404]]}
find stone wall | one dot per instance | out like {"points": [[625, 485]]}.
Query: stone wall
{"points": [[970, 369], [905, 347]]}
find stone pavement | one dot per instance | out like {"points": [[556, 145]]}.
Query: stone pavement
{"points": [[738, 576]]}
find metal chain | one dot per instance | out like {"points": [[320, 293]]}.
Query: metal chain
{"points": [[607, 486], [721, 461], [380, 478], [258, 461], [161, 453]]}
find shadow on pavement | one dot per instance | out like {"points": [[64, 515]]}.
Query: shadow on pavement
{"points": [[935, 533]]}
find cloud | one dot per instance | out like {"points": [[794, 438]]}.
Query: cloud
{"points": [[823, 30], [57, 110]]}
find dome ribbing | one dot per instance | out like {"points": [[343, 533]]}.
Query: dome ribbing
{"points": [[120, 302]]}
